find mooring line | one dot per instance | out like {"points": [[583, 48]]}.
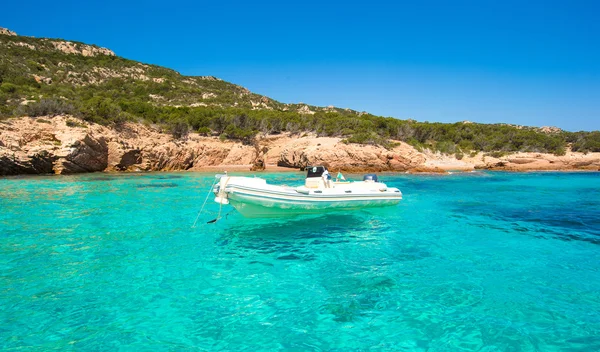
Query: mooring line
{"points": [[205, 200]]}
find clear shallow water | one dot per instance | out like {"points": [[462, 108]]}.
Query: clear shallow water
{"points": [[481, 261]]}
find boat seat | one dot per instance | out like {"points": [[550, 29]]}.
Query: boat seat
{"points": [[302, 189], [314, 182]]}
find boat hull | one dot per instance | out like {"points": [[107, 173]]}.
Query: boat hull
{"points": [[259, 204]]}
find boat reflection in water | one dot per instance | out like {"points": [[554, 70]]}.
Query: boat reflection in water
{"points": [[254, 197]]}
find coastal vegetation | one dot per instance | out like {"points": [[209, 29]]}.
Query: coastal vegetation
{"points": [[44, 77]]}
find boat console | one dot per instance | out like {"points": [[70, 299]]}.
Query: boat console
{"points": [[314, 177], [315, 171]]}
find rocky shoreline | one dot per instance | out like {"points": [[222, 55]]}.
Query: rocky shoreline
{"points": [[66, 145]]}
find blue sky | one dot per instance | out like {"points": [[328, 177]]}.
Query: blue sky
{"points": [[525, 62]]}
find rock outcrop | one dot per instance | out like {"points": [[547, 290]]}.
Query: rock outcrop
{"points": [[58, 145], [80, 49], [62, 145], [349, 157], [88, 154], [6, 31]]}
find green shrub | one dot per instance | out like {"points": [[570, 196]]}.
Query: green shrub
{"points": [[101, 110], [366, 138], [560, 151], [585, 141], [445, 147], [73, 123], [46, 107], [347, 132], [8, 87], [497, 154], [243, 134], [390, 145], [204, 131], [179, 130]]}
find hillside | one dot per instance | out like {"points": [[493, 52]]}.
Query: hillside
{"points": [[46, 77], [72, 71]]}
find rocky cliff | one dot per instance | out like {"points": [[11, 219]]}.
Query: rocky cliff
{"points": [[65, 145]]}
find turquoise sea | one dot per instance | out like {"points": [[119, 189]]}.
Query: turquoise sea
{"points": [[484, 261]]}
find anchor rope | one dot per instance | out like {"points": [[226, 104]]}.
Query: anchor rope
{"points": [[205, 200], [219, 215]]}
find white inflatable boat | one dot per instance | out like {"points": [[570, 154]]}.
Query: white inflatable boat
{"points": [[254, 197]]}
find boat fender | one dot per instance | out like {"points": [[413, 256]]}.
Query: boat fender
{"points": [[222, 200]]}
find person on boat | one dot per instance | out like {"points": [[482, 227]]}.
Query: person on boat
{"points": [[326, 177]]}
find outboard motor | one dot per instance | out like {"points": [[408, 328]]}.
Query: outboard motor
{"points": [[370, 177]]}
